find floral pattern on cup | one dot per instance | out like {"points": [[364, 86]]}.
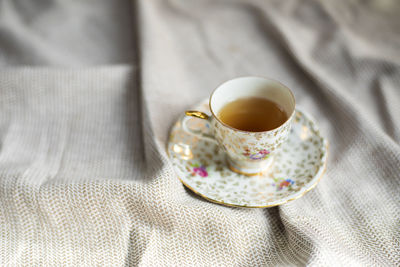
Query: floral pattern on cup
{"points": [[200, 170], [247, 147], [262, 154]]}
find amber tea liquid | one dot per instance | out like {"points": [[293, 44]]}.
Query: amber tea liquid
{"points": [[253, 114]]}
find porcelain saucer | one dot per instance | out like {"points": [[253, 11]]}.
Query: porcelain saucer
{"points": [[201, 166]]}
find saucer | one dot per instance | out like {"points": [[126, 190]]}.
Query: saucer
{"points": [[201, 165]]}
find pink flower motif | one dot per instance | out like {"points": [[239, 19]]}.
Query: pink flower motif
{"points": [[200, 171], [260, 155], [264, 152]]}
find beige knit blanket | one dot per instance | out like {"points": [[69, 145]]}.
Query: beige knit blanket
{"points": [[84, 175]]}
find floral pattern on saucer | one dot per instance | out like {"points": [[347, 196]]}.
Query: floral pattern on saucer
{"points": [[298, 165], [200, 170], [281, 183]]}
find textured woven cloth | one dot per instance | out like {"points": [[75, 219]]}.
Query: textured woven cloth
{"points": [[84, 176]]}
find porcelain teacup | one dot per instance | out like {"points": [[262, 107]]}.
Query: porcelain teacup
{"points": [[248, 153]]}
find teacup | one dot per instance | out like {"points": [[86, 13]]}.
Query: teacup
{"points": [[248, 153]]}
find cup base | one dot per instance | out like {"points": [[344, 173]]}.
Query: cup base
{"points": [[250, 169]]}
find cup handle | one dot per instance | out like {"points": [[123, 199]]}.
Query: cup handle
{"points": [[197, 132]]}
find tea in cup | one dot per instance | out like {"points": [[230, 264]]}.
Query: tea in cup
{"points": [[251, 118]]}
